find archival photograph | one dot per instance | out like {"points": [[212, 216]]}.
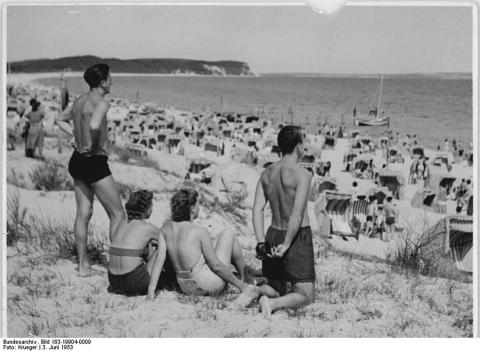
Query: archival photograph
{"points": [[239, 171]]}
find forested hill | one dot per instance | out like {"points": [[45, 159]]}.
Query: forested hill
{"points": [[164, 65]]}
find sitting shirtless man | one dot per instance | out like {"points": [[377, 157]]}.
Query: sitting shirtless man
{"points": [[201, 269], [285, 185], [131, 251]]}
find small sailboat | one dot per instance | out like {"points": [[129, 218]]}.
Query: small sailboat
{"points": [[374, 118]]}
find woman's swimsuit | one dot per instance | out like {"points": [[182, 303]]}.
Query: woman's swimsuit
{"points": [[134, 282], [200, 280]]}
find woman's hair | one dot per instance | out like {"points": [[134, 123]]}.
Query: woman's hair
{"points": [[138, 204], [182, 203]]}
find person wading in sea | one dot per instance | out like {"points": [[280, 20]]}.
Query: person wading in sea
{"points": [[88, 165]]}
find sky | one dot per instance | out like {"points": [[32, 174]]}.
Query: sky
{"points": [[368, 40]]}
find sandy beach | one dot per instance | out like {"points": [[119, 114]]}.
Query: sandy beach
{"points": [[360, 290]]}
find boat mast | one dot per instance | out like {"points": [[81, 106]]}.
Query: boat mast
{"points": [[380, 96]]}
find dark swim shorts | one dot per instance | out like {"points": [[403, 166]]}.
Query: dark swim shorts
{"points": [[89, 169], [130, 284], [297, 265]]}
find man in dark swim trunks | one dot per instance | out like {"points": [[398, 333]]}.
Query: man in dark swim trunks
{"points": [[88, 165], [285, 186], [390, 216]]}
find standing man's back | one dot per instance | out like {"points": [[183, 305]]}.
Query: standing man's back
{"points": [[88, 164], [285, 186]]}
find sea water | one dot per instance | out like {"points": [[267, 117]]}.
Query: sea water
{"points": [[432, 108]]}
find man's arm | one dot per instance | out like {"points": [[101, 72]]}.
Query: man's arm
{"points": [[215, 264], [63, 121], [98, 115], [299, 205], [157, 266], [258, 212]]}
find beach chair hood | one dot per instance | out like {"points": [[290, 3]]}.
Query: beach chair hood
{"points": [[394, 181], [450, 241], [333, 215]]}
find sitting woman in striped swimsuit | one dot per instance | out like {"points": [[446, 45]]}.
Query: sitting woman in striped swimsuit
{"points": [[132, 251]]}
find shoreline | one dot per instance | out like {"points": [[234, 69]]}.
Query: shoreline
{"points": [[26, 78]]}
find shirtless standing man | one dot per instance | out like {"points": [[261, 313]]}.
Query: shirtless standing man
{"points": [[88, 165], [391, 214], [285, 186]]}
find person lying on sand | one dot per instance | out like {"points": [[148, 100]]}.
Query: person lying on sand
{"points": [[132, 250], [285, 186], [201, 269], [88, 164]]}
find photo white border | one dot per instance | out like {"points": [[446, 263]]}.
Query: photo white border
{"points": [[474, 4]]}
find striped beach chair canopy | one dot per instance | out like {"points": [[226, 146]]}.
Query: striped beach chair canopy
{"points": [[307, 159], [394, 181], [444, 180], [136, 149], [321, 184], [173, 141], [365, 140], [359, 209], [213, 144], [393, 151], [354, 133], [333, 207], [450, 243], [162, 137], [418, 150], [330, 141], [198, 164]]}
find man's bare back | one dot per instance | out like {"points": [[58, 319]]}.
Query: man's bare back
{"points": [[289, 255], [280, 182], [83, 110]]}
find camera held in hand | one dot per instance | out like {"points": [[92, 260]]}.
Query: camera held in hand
{"points": [[263, 249]]}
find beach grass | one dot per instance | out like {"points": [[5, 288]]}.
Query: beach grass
{"points": [[50, 176], [353, 297]]}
